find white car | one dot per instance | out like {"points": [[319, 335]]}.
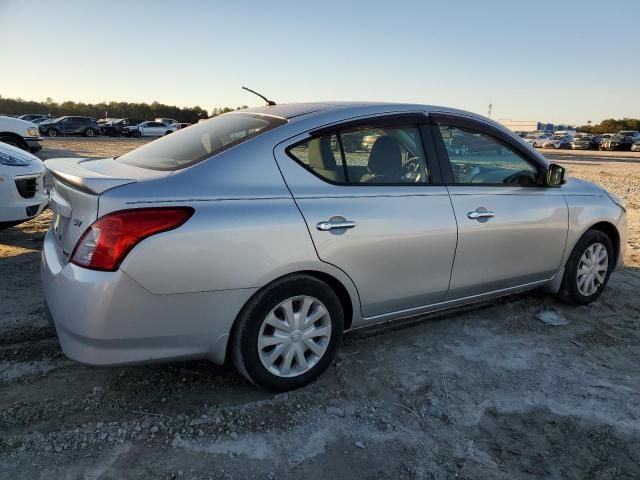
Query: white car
{"points": [[22, 190], [20, 133], [149, 129], [536, 139]]}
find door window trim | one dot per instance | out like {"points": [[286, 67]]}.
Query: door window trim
{"points": [[419, 121], [460, 121]]}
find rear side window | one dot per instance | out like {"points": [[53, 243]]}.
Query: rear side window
{"points": [[372, 156], [191, 145]]}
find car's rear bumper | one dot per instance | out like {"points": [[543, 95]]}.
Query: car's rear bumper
{"points": [[107, 318]]}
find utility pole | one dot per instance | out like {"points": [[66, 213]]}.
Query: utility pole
{"points": [[489, 112]]}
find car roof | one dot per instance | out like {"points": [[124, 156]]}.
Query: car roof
{"points": [[300, 111]]}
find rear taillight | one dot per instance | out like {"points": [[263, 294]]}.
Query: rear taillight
{"points": [[110, 238]]}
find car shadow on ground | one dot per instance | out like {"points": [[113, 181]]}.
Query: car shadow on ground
{"points": [[49, 152], [17, 237]]}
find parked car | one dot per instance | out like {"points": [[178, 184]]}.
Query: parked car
{"points": [[251, 237], [582, 142], [38, 121], [70, 125], [149, 129], [20, 133], [116, 127], [536, 139], [603, 138], [22, 189], [621, 140], [30, 117], [636, 146], [166, 121], [557, 141]]}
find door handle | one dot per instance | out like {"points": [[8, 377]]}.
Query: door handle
{"points": [[478, 214], [334, 225]]}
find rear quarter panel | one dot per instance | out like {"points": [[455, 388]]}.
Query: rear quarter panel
{"points": [[246, 231]]}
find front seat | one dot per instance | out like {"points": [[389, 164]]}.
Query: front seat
{"points": [[385, 162], [322, 161]]}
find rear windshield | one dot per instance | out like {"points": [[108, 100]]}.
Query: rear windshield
{"points": [[201, 141]]}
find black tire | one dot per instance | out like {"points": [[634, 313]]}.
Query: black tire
{"points": [[244, 341], [569, 291], [52, 132], [168, 132], [14, 141], [136, 134], [89, 132]]}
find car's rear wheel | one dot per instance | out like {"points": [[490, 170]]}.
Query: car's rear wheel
{"points": [[89, 132], [588, 269], [288, 334], [168, 132], [136, 134], [52, 132]]}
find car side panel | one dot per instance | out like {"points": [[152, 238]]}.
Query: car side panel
{"points": [[523, 243], [225, 245]]}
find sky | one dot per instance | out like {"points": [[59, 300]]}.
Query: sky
{"points": [[568, 61]]}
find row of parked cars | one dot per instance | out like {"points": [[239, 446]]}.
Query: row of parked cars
{"points": [[89, 127], [623, 140]]}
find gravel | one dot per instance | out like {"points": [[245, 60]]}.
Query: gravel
{"points": [[483, 392]]}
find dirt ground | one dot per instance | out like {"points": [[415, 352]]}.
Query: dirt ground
{"points": [[483, 392]]}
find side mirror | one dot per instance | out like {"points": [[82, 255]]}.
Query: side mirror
{"points": [[555, 175]]}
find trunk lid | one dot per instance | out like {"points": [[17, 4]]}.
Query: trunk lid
{"points": [[76, 187]]}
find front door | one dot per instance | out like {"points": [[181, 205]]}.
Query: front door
{"points": [[512, 230], [367, 195]]}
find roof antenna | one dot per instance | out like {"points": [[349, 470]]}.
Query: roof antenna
{"points": [[269, 102]]}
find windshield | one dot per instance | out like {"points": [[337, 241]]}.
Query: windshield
{"points": [[629, 133], [199, 142]]}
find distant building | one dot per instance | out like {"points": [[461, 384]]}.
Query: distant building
{"points": [[532, 126]]}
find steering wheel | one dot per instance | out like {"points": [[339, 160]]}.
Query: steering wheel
{"points": [[412, 166], [523, 177]]}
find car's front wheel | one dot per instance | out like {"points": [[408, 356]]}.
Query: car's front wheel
{"points": [[288, 333], [89, 132], [588, 269], [52, 132]]}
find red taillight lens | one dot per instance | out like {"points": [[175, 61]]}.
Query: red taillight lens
{"points": [[110, 238]]}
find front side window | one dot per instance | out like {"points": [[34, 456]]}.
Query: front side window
{"points": [[188, 146], [478, 158], [373, 156]]}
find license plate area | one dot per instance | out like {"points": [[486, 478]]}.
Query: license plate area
{"points": [[61, 216]]}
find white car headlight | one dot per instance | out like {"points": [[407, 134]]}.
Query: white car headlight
{"points": [[11, 161], [33, 132]]}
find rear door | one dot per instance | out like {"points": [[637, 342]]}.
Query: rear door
{"points": [[512, 230], [375, 208]]}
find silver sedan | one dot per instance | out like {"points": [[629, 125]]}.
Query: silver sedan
{"points": [[262, 235]]}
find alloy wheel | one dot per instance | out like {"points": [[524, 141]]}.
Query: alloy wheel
{"points": [[294, 336], [592, 269]]}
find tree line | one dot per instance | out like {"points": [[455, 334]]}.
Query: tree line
{"points": [[142, 111], [612, 125]]}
